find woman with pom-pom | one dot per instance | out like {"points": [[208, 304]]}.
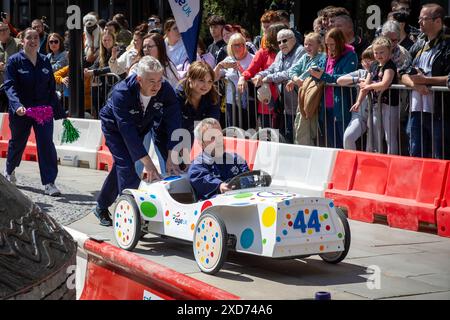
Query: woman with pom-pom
{"points": [[33, 103]]}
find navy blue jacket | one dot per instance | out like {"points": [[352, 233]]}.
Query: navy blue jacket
{"points": [[206, 176], [124, 115], [205, 110], [31, 86]]}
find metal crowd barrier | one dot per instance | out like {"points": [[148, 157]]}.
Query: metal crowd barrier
{"points": [[379, 132], [100, 88]]}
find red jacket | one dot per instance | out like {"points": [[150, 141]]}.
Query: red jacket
{"points": [[263, 60]]}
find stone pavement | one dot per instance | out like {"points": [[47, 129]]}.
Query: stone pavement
{"points": [[412, 265]]}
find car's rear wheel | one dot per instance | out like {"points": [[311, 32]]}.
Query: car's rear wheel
{"points": [[336, 257], [210, 243], [127, 223]]}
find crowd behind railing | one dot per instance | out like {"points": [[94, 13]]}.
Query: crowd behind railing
{"points": [[329, 88]]}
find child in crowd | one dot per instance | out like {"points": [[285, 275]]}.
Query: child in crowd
{"points": [[358, 124], [306, 119], [379, 81]]}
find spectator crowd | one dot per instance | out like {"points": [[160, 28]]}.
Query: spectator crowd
{"points": [[329, 87]]}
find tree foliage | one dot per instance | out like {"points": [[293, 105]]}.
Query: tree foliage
{"points": [[242, 12]]}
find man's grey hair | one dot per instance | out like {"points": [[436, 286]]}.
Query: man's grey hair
{"points": [[285, 33], [206, 123], [149, 64], [391, 27], [347, 19]]}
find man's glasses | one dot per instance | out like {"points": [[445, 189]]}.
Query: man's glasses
{"points": [[284, 41]]}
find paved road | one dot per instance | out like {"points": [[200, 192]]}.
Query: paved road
{"points": [[413, 265]]}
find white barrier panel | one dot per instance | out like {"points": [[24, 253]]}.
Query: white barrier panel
{"points": [[85, 149], [1, 121], [302, 169]]}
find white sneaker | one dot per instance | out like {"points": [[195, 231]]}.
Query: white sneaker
{"points": [[10, 177], [51, 190]]}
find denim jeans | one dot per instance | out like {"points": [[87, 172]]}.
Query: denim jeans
{"points": [[423, 126]]}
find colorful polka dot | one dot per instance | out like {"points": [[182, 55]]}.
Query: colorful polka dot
{"points": [[142, 198], [264, 242], [288, 203], [195, 212], [193, 227], [310, 232], [325, 216], [167, 213], [243, 195], [290, 224], [288, 216], [328, 228], [285, 232], [322, 248], [331, 205], [247, 238], [149, 210], [206, 205], [278, 239], [340, 235], [306, 211], [153, 196], [269, 217]]}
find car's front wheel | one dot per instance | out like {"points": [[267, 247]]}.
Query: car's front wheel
{"points": [[336, 257], [210, 243], [127, 223]]}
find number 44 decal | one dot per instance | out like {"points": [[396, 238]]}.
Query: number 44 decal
{"points": [[313, 222]]}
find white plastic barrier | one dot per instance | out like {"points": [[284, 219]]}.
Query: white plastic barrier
{"points": [[1, 121], [302, 169], [85, 149]]}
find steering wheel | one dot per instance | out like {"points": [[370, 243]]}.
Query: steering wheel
{"points": [[251, 179]]}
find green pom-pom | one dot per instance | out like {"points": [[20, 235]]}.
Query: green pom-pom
{"points": [[70, 133]]}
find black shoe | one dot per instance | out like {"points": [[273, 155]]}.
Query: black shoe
{"points": [[103, 216]]}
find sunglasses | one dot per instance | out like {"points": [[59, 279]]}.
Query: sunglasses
{"points": [[54, 42], [284, 41]]}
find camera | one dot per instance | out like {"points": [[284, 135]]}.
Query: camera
{"points": [[4, 15]]}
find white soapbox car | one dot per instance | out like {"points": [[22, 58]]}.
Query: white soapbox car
{"points": [[253, 219]]}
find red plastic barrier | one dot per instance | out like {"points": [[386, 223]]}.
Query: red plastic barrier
{"points": [[104, 157], [115, 274], [30, 153], [5, 136], [245, 148], [398, 187], [443, 213]]}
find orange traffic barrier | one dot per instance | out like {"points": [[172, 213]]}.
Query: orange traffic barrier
{"points": [[115, 274], [400, 188], [30, 153], [443, 213], [5, 135], [104, 157]]}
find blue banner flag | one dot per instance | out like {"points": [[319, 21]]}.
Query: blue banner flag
{"points": [[188, 15]]}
